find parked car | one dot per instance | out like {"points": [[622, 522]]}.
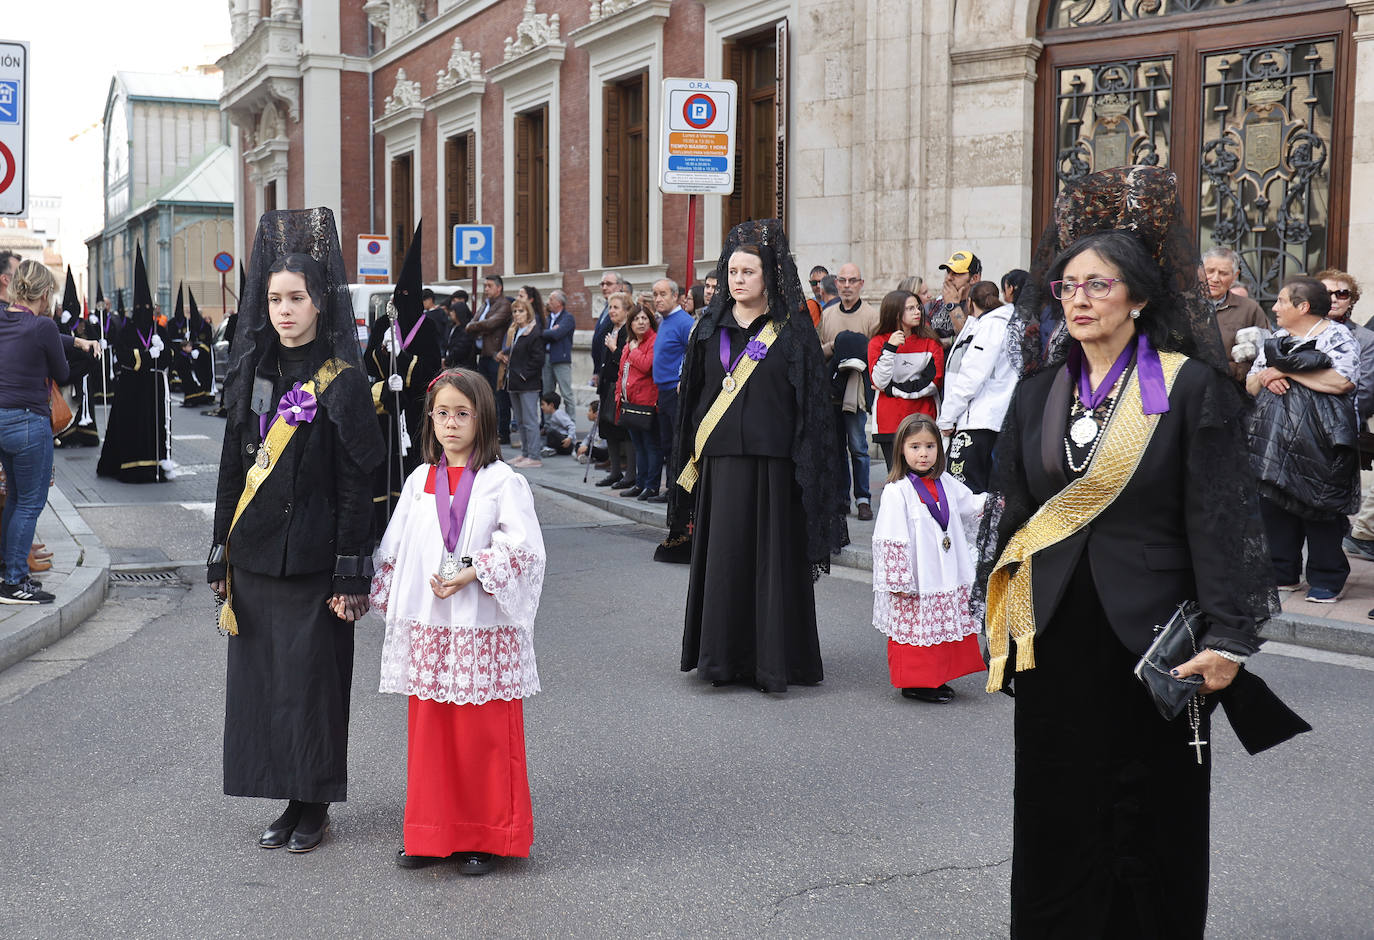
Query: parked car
{"points": [[370, 300]]}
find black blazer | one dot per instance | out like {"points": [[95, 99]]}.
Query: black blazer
{"points": [[525, 371], [1152, 548]]}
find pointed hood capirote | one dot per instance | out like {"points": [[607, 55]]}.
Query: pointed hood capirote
{"points": [[179, 311], [143, 314], [71, 300], [99, 293], [304, 241], [196, 323], [409, 284]]}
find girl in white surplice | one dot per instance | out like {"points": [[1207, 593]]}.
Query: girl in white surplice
{"points": [[923, 567], [459, 574]]}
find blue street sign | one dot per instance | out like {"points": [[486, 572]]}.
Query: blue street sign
{"points": [[695, 164], [474, 245], [9, 102]]}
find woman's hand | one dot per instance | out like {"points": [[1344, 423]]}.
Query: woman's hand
{"points": [[443, 589], [502, 358], [1216, 671], [349, 607], [610, 341], [88, 346], [1273, 380], [217, 588]]}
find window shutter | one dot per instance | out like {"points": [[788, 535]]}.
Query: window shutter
{"points": [[780, 102], [734, 71], [454, 194], [400, 207], [612, 250], [523, 229], [636, 175], [470, 176], [539, 186]]}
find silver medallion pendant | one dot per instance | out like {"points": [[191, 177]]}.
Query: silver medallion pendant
{"points": [[728, 383], [945, 543], [449, 568], [264, 455], [1083, 431]]}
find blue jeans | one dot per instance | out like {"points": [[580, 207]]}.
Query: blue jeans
{"points": [[26, 453], [648, 458], [853, 436]]}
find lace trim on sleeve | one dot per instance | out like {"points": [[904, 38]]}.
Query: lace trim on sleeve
{"points": [[380, 593], [892, 569], [466, 665], [515, 577]]}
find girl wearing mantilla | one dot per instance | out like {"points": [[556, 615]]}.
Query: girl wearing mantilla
{"points": [[292, 554], [459, 574]]}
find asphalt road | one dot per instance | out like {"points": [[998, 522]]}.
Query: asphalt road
{"points": [[663, 807]]}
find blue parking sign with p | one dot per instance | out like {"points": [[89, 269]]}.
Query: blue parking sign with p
{"points": [[474, 245], [9, 102]]}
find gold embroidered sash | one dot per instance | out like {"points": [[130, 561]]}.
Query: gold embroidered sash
{"points": [[1011, 607], [724, 399], [278, 435]]}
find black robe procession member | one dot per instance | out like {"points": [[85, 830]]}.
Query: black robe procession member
{"points": [[198, 379], [85, 376], [105, 327], [1149, 502], [292, 539], [177, 335], [401, 362], [136, 439], [762, 515]]}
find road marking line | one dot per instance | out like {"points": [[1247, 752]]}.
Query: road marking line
{"points": [[1318, 656]]}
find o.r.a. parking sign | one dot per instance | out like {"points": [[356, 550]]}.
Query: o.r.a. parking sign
{"points": [[698, 152], [14, 127]]}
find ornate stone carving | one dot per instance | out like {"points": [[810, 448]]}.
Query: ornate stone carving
{"points": [[395, 18], [406, 94], [269, 123], [463, 66], [378, 13], [288, 91], [535, 30], [602, 8], [286, 9]]}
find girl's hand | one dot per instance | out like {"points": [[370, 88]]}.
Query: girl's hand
{"points": [[897, 338], [443, 589], [349, 607]]}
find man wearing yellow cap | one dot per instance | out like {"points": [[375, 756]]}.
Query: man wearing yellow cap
{"points": [[946, 313]]}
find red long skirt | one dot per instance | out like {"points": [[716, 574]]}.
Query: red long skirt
{"points": [[466, 785], [928, 667]]}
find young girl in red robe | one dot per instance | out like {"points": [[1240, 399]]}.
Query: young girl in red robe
{"points": [[459, 573], [923, 566]]}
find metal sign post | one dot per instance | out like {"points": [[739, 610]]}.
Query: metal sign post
{"points": [[14, 127]]}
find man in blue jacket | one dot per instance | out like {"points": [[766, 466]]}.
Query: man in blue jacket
{"points": [[558, 342], [669, 349]]}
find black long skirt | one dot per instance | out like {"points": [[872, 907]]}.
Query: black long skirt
{"points": [[751, 608], [136, 438], [1111, 806], [287, 693]]}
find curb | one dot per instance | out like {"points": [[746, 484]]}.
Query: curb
{"points": [[79, 595], [1334, 636]]}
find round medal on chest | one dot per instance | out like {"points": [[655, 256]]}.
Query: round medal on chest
{"points": [[945, 543], [264, 455], [449, 568], [1083, 431], [728, 383]]}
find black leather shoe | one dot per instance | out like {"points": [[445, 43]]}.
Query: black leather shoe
{"points": [[608, 480], [934, 696], [632, 493], [646, 495], [415, 861], [624, 484], [275, 837], [658, 498], [302, 842], [475, 863]]}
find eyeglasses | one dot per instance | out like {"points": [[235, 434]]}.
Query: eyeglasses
{"points": [[815, 283], [1341, 293], [1096, 288], [442, 417], [849, 280]]}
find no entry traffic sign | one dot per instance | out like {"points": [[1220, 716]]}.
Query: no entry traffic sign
{"points": [[14, 127], [224, 262], [698, 134]]}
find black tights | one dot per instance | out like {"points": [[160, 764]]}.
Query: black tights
{"points": [[307, 817]]}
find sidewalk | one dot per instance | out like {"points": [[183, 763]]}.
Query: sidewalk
{"points": [[79, 576], [1342, 627]]}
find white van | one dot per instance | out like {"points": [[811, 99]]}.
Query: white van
{"points": [[370, 300]]}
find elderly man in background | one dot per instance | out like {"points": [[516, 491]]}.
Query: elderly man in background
{"points": [[558, 343], [1235, 312], [851, 316]]}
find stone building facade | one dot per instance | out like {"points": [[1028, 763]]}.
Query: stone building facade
{"points": [[886, 132]]}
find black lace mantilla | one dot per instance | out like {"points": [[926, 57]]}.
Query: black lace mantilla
{"points": [[814, 449]]}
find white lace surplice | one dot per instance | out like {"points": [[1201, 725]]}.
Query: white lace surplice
{"points": [[477, 645], [921, 591]]}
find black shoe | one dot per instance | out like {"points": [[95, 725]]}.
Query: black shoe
{"points": [[608, 480], [20, 594], [658, 498], [32, 583], [624, 484], [415, 861], [934, 696], [475, 863], [302, 842], [279, 830], [646, 495], [632, 493]]}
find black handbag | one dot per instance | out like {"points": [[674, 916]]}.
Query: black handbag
{"points": [[1174, 644], [637, 417]]}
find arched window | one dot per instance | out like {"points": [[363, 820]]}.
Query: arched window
{"points": [[1067, 14]]}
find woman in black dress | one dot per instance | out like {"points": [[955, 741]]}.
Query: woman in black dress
{"points": [[755, 483], [292, 540]]}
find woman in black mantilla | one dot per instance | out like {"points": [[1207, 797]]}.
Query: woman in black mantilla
{"points": [[292, 539], [757, 496], [1120, 490]]}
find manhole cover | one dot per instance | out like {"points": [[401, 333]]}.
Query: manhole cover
{"points": [[144, 577]]}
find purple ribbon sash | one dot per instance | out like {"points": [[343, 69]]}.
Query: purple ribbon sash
{"points": [[451, 513], [938, 506], [754, 349], [410, 337], [1154, 397]]}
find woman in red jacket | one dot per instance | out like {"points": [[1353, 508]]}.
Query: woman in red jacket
{"points": [[907, 363], [636, 387]]}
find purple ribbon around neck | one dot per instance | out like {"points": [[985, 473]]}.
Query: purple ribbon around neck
{"points": [[296, 405], [410, 337], [938, 506], [145, 340], [755, 349], [451, 512], [1154, 397]]}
